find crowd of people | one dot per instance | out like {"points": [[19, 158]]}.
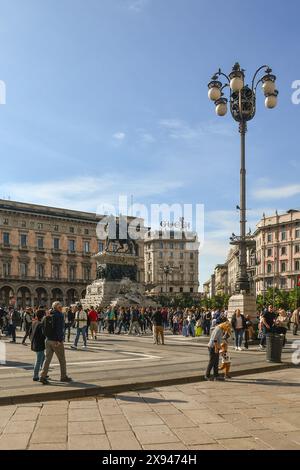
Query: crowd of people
{"points": [[48, 329]]}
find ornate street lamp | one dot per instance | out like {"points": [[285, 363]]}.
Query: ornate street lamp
{"points": [[242, 100], [168, 270]]}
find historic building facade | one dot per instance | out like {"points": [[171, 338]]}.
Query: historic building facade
{"points": [[171, 262], [46, 253], [278, 251]]}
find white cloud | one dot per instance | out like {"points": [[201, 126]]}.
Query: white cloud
{"points": [[281, 192], [86, 193], [119, 135], [179, 129], [138, 5]]}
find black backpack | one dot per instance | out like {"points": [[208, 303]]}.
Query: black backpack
{"points": [[48, 326]]}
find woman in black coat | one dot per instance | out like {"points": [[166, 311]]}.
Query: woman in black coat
{"points": [[239, 325]]}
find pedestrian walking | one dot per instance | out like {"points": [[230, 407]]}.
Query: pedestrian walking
{"points": [[158, 327], [238, 322], [28, 317], [81, 326], [37, 339], [93, 317], [267, 325], [53, 329], [295, 319]]}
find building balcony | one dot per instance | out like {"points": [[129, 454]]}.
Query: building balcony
{"points": [[5, 246]]}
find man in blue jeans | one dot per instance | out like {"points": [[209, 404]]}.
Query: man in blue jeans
{"points": [[81, 325]]}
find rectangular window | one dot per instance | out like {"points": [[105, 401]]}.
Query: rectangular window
{"points": [[23, 240], [56, 243], [180, 289], [171, 254], [56, 271], [72, 245], [282, 283], [86, 273], [40, 226], [269, 252], [40, 243], [269, 238], [283, 235], [297, 248], [191, 255], [86, 231], [283, 250], [191, 290], [6, 239], [269, 268], [6, 269], [23, 224], [161, 245], [297, 233], [86, 247], [100, 247], [181, 256], [55, 228], [181, 245], [171, 246], [71, 229], [23, 269], [297, 265], [283, 267], [40, 271], [72, 273], [5, 222], [171, 289], [160, 254]]}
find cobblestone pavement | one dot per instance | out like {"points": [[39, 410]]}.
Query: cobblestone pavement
{"points": [[252, 412]]}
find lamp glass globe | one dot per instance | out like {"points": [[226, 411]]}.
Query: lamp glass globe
{"points": [[268, 87], [221, 109], [236, 84], [214, 93], [271, 101]]}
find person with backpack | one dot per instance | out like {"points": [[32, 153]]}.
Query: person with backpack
{"points": [[28, 323], [81, 325], [53, 329], [37, 339]]}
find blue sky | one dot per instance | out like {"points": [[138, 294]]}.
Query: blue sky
{"points": [[109, 97]]}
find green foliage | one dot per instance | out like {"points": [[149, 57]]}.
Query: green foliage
{"points": [[288, 300]]}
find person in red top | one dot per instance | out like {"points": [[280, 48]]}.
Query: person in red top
{"points": [[93, 317]]}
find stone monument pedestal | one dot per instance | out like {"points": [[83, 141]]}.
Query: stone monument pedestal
{"points": [[245, 302], [116, 284]]}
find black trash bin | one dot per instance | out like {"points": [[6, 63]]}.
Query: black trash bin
{"points": [[274, 347]]}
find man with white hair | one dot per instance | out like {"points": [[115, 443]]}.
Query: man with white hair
{"points": [[53, 329]]}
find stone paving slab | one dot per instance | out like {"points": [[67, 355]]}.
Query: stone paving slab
{"points": [[151, 420]]}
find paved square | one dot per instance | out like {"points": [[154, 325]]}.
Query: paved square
{"points": [[157, 420]]}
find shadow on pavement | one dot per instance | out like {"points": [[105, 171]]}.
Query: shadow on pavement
{"points": [[148, 400]]}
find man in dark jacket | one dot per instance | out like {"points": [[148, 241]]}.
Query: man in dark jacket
{"points": [[54, 332], [158, 329], [37, 338]]}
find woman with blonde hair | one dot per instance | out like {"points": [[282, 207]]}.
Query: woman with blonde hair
{"points": [[281, 324]]}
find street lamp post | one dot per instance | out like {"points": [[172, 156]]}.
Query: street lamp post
{"points": [[168, 270], [243, 108]]}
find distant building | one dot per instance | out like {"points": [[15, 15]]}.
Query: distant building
{"points": [[278, 251], [171, 263], [46, 253]]}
